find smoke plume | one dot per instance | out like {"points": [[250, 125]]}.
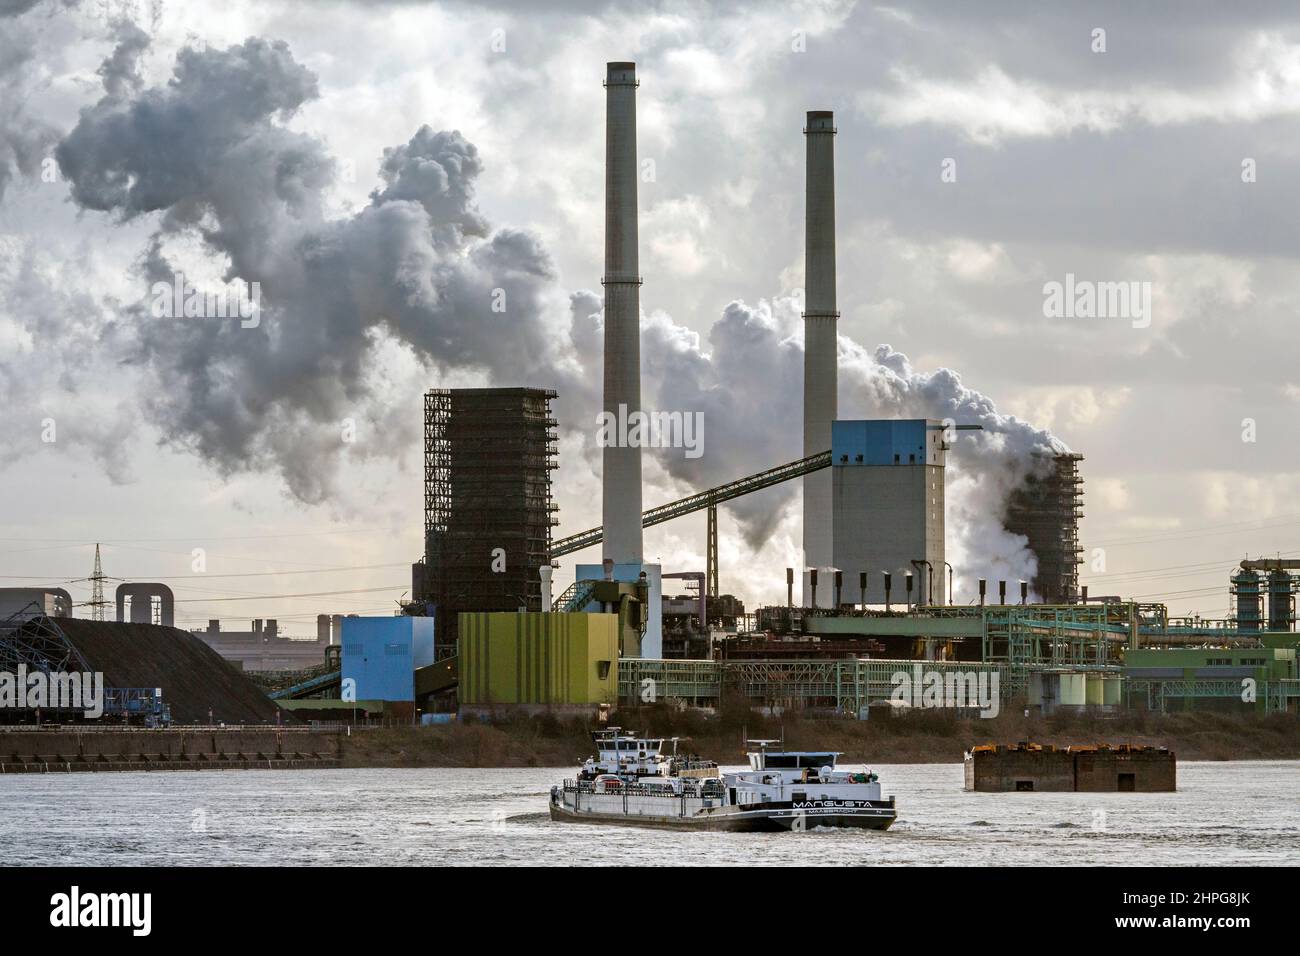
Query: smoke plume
{"points": [[362, 310]]}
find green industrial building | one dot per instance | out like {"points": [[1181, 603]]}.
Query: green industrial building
{"points": [[538, 661], [1240, 679]]}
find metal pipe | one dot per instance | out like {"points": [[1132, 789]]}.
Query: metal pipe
{"points": [[949, 566], [983, 588], [839, 587], [888, 579], [1002, 592], [1024, 592], [621, 504], [812, 583], [789, 587], [862, 586], [545, 572]]}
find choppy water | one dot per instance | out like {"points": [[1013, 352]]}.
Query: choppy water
{"points": [[1242, 813]]}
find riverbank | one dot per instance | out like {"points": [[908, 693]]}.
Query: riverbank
{"points": [[923, 737]]}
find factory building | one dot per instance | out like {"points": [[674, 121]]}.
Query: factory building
{"points": [[887, 481], [1046, 509], [22, 603], [381, 655], [488, 513], [1225, 679], [550, 661], [262, 648]]}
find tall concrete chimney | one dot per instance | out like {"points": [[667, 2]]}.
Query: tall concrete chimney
{"points": [[621, 467], [819, 330]]}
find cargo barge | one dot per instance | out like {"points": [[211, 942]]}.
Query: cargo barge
{"points": [[631, 782], [1096, 768]]}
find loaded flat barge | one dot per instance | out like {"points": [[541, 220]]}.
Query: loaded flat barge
{"points": [[1098, 768]]}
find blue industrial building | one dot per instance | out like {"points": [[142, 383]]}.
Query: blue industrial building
{"points": [[916, 441], [887, 504], [380, 655]]}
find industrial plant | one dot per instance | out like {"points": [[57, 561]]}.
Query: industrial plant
{"points": [[484, 632]]}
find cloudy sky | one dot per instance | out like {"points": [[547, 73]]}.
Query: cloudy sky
{"points": [[380, 169]]}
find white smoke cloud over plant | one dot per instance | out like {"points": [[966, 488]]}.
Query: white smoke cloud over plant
{"points": [[418, 273], [749, 381], [418, 267]]}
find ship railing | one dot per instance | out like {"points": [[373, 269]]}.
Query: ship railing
{"points": [[632, 789]]}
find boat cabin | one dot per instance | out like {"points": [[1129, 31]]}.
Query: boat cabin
{"points": [[612, 745], [797, 760]]}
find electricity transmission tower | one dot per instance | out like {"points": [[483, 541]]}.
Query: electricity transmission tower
{"points": [[97, 601]]}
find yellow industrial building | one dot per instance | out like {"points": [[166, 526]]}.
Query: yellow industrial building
{"points": [[538, 659]]}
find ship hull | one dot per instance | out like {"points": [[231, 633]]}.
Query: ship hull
{"points": [[878, 815]]}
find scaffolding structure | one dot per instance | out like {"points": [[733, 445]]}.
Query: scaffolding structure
{"points": [[1046, 509], [488, 513]]}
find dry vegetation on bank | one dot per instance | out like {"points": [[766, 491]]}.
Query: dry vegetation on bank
{"points": [[917, 737]]}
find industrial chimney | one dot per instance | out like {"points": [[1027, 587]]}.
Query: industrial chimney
{"points": [[621, 466], [820, 320]]}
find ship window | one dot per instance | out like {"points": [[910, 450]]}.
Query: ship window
{"points": [[781, 762], [816, 761]]}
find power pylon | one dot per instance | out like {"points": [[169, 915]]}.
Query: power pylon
{"points": [[97, 601]]}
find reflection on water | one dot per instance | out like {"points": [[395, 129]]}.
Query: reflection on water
{"points": [[1242, 813]]}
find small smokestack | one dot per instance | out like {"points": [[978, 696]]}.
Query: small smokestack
{"points": [[820, 339], [1024, 592], [1002, 592], [545, 572], [839, 587], [888, 579], [909, 590], [862, 587], [1083, 594], [983, 588], [789, 587], [812, 583], [621, 467]]}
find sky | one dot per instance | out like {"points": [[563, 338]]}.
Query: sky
{"points": [[386, 172]]}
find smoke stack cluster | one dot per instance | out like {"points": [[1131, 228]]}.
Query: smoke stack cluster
{"points": [[820, 346], [621, 466]]}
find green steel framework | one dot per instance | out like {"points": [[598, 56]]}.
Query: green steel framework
{"points": [[1272, 696], [846, 685], [1016, 640]]}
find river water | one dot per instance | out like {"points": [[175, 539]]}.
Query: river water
{"points": [[1239, 813]]}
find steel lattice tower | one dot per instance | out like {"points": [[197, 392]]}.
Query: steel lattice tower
{"points": [[97, 590]]}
